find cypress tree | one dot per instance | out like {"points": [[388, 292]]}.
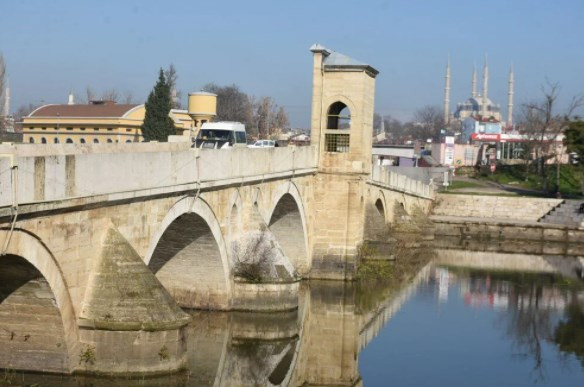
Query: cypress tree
{"points": [[157, 124]]}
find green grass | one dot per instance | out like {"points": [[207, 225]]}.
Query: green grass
{"points": [[463, 184], [510, 194], [515, 175]]}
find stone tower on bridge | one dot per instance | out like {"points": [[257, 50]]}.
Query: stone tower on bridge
{"points": [[343, 93]]}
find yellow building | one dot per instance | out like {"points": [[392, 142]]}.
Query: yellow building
{"points": [[96, 122]]}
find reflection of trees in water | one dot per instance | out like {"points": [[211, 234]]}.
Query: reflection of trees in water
{"points": [[257, 361], [377, 280], [533, 313], [569, 334]]}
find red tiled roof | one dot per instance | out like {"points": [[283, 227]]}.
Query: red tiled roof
{"points": [[91, 110]]}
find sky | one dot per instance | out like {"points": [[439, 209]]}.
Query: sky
{"points": [[52, 47]]}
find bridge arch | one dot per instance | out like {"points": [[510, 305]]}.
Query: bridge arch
{"points": [[189, 257], [376, 215], [34, 270], [287, 221]]}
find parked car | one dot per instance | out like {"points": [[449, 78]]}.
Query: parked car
{"points": [[263, 144]]}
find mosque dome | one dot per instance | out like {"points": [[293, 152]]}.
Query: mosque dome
{"points": [[473, 106]]}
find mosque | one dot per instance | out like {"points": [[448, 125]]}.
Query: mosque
{"points": [[478, 114]]}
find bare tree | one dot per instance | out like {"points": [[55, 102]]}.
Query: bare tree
{"points": [[232, 104], [128, 97], [377, 120], [2, 74], [21, 112], [394, 128], [171, 78], [281, 121], [110, 95], [542, 124], [428, 122], [90, 94], [265, 116]]}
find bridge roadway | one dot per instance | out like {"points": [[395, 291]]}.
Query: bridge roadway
{"points": [[120, 236]]}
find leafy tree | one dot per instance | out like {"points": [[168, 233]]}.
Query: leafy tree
{"points": [[157, 124], [574, 141]]}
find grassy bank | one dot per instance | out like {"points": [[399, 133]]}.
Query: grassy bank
{"points": [[527, 178]]}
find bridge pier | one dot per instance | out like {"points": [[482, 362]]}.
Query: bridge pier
{"points": [[338, 221], [128, 322]]}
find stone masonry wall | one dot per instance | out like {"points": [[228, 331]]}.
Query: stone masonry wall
{"points": [[499, 207]]}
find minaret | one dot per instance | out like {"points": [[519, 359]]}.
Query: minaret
{"points": [[485, 112], [7, 99], [474, 82], [71, 100], [510, 98], [447, 94]]}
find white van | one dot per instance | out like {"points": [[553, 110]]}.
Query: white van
{"points": [[221, 135]]}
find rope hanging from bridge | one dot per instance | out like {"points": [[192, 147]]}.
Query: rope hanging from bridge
{"points": [[14, 207]]}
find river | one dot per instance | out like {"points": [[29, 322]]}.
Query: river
{"points": [[436, 317]]}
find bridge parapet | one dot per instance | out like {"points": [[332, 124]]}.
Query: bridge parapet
{"points": [[52, 174], [384, 177]]}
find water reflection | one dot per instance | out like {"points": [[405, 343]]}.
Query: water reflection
{"points": [[457, 314]]}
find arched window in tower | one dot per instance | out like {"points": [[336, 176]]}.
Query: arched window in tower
{"points": [[69, 141], [31, 140], [338, 128], [43, 140], [338, 116], [95, 141], [56, 140]]}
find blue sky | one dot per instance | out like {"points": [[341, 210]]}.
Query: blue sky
{"points": [[53, 46]]}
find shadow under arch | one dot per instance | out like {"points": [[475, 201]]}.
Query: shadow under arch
{"points": [[235, 217], [287, 221], [188, 255], [29, 274]]}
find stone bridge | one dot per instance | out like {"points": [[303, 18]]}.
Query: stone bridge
{"points": [[106, 243]]}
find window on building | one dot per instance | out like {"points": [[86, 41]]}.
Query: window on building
{"points": [[109, 140], [56, 128], [82, 128], [69, 128], [82, 141], [31, 128], [56, 140], [69, 141], [95, 141], [44, 128], [43, 140], [110, 129], [128, 130], [31, 140], [127, 141], [338, 118], [95, 128]]}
